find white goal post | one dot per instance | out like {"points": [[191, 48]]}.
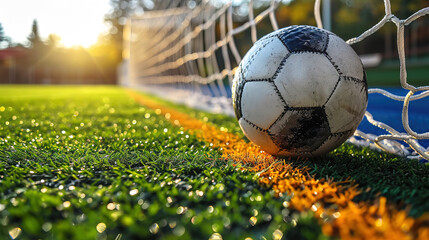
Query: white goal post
{"points": [[190, 54]]}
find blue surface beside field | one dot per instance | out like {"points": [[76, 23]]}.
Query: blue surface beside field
{"points": [[390, 112]]}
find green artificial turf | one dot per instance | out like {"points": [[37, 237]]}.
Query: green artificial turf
{"points": [[404, 182], [90, 163]]}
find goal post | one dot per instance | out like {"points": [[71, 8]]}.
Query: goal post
{"points": [[190, 54]]}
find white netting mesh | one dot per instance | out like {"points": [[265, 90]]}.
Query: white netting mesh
{"points": [[190, 55]]}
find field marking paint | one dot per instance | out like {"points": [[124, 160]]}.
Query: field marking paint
{"points": [[331, 202]]}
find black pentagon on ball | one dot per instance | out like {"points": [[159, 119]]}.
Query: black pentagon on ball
{"points": [[301, 130], [304, 38]]}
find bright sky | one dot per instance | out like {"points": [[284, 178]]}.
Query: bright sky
{"points": [[77, 22]]}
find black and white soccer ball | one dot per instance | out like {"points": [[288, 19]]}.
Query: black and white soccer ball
{"points": [[300, 90]]}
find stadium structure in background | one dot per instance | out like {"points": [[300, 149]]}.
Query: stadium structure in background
{"points": [[190, 54]]}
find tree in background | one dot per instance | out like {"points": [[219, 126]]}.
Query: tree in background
{"points": [[53, 41], [46, 61], [34, 37], [350, 18], [121, 9], [36, 53], [4, 39], [2, 35]]}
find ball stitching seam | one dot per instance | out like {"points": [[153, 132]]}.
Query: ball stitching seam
{"points": [[333, 63], [254, 125]]}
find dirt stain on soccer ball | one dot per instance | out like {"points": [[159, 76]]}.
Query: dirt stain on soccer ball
{"points": [[301, 131]]}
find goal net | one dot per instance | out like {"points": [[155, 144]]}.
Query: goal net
{"points": [[190, 54]]}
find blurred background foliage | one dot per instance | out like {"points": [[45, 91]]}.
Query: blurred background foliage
{"points": [[44, 61]]}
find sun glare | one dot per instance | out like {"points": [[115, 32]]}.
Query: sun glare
{"points": [[76, 22], [73, 40]]}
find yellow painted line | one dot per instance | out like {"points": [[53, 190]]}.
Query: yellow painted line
{"points": [[330, 201]]}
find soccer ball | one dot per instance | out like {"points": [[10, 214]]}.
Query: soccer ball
{"points": [[299, 91]]}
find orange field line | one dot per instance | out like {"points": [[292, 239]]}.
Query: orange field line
{"points": [[331, 202]]}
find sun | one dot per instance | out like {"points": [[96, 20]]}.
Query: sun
{"points": [[75, 25], [72, 40], [76, 22], [78, 33]]}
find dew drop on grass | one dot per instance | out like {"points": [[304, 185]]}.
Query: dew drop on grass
{"points": [[134, 192], [15, 232], [216, 236], [253, 220], [172, 224], [336, 214], [210, 209], [47, 226], [194, 220], [314, 208], [14, 202], [145, 205], [255, 212], [277, 234], [215, 227], [154, 228], [181, 210], [101, 227], [199, 193], [285, 204], [110, 206]]}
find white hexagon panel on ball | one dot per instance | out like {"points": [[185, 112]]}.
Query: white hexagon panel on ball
{"points": [[300, 91]]}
